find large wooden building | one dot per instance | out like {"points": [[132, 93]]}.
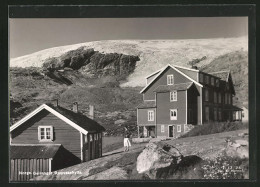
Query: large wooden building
{"points": [[52, 137], [177, 98]]}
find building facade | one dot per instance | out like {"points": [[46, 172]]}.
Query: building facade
{"points": [[177, 98]]}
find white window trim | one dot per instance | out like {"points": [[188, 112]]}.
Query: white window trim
{"points": [[172, 96], [152, 115], [162, 128], [171, 117], [45, 139], [178, 128], [170, 77]]}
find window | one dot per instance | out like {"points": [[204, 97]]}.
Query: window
{"points": [[170, 80], [212, 81], [215, 114], [201, 78], [162, 128], [206, 95], [173, 114], [219, 114], [173, 96], [215, 97], [207, 113], [178, 128], [45, 133], [219, 97], [207, 79], [217, 82], [150, 115]]}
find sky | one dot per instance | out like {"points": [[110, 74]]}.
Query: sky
{"points": [[31, 35]]}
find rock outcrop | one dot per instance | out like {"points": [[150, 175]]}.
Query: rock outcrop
{"points": [[163, 161], [93, 63]]}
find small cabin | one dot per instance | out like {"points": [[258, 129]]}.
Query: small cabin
{"points": [[52, 137]]}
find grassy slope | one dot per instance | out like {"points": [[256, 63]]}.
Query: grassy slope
{"points": [[207, 146]]}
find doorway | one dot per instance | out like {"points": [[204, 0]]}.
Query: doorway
{"points": [[171, 131]]}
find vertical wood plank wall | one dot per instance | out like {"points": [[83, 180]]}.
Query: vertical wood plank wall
{"points": [[27, 165]]}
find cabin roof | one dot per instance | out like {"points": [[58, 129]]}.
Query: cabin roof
{"points": [[33, 151], [223, 75], [147, 104], [168, 88], [77, 120]]}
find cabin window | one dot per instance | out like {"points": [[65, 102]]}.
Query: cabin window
{"points": [[45, 133], [217, 82], [201, 78], [162, 128], [215, 97], [170, 80], [173, 114], [150, 115], [206, 95], [212, 81], [207, 113], [178, 128], [219, 97], [173, 96]]}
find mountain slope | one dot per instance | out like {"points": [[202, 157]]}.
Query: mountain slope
{"points": [[153, 54]]}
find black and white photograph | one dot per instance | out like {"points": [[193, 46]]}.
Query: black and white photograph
{"points": [[135, 98]]}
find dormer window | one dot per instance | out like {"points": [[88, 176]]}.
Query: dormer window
{"points": [[45, 133], [170, 80]]}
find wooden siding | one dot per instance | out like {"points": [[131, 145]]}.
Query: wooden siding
{"points": [[164, 105], [162, 80], [192, 103], [143, 117], [63, 133], [149, 79], [27, 165]]}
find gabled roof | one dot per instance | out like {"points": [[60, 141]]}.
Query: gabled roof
{"points": [[147, 104], [33, 151], [168, 88], [76, 120], [169, 65], [223, 75]]}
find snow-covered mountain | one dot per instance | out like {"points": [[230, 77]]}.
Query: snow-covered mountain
{"points": [[153, 54]]}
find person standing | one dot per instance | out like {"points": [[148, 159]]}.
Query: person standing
{"points": [[127, 142]]}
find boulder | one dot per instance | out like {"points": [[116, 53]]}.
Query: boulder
{"points": [[237, 148], [157, 155]]}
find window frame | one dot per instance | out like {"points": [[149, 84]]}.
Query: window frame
{"points": [[172, 94], [173, 117], [171, 78], [45, 139], [162, 128], [152, 115], [178, 128]]}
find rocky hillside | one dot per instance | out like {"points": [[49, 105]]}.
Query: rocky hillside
{"points": [[110, 74]]}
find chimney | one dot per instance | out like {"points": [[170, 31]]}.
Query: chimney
{"points": [[75, 107], [91, 112], [56, 102]]}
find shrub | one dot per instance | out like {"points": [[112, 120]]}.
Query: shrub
{"points": [[215, 127], [225, 167]]}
